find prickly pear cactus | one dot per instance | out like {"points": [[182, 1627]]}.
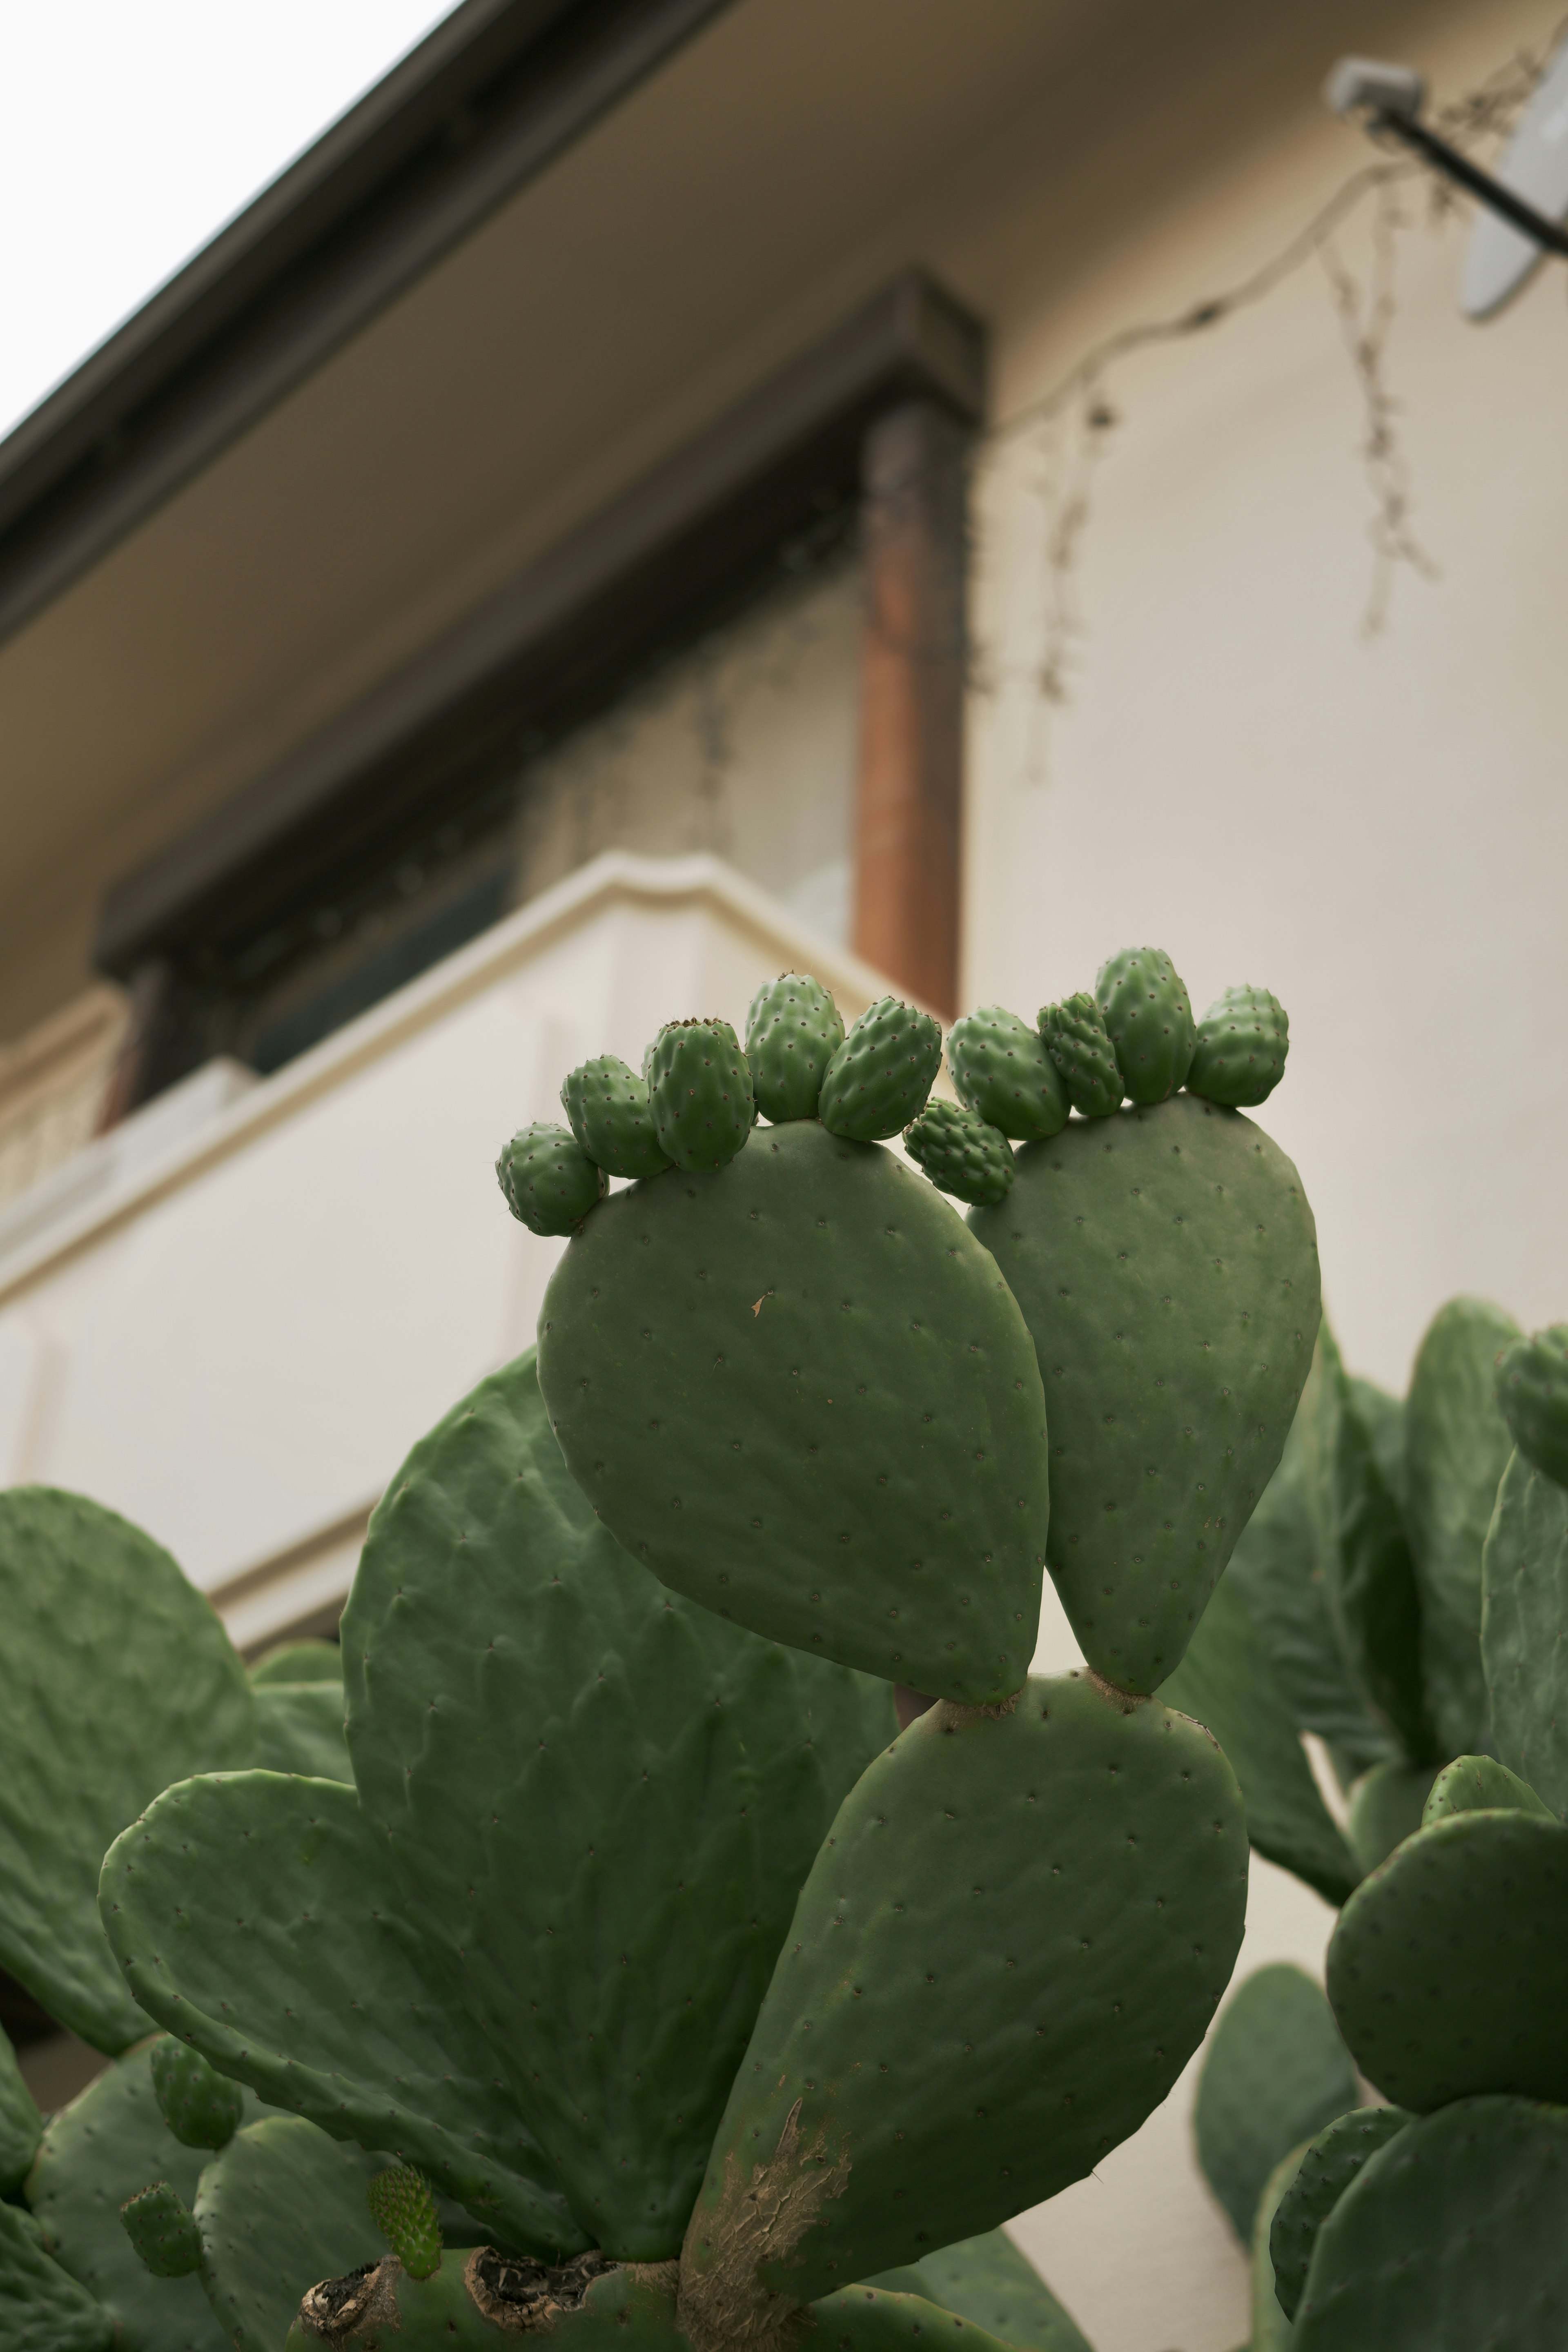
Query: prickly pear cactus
{"points": [[1002, 1072], [611, 1117], [961, 1154], [201, 2107], [793, 1031], [1325, 2171], [1149, 1020], [1275, 2073], [700, 1090], [1533, 1391], [404, 2213], [1242, 1040], [879, 1079], [1078, 1043], [42, 2308], [160, 2225], [547, 1181], [21, 2125], [1525, 1568]]}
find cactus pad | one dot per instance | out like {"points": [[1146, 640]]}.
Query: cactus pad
{"points": [[1452, 2236], [613, 1864], [1479, 1784], [799, 1392], [42, 2308], [89, 1603], [879, 1079], [160, 2226], [299, 1728], [1457, 1445], [404, 2213], [481, 2301], [1526, 1656], [1370, 1575], [1386, 1805], [21, 2125], [1166, 1264], [109, 2144], [1326, 2170], [1148, 1017], [987, 2282], [1533, 1391], [282, 2207], [892, 2098], [1242, 1043], [1446, 1967], [1274, 2073], [700, 1090], [315, 1993], [961, 1154], [609, 1111], [870, 2319], [547, 1179], [201, 2107], [1078, 1043], [299, 1662], [793, 1031], [1002, 1072]]}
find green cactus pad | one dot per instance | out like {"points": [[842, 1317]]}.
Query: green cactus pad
{"points": [[1454, 2236], [1325, 2171], [619, 1850], [1270, 2328], [1282, 1566], [108, 2145], [800, 1392], [1148, 1019], [312, 1989], [1274, 2073], [299, 1728], [870, 2319], [989, 2283], [21, 2125], [160, 2226], [1166, 1264], [1446, 1967], [90, 1605], [1523, 1629], [1532, 1392], [700, 1090], [299, 1662], [404, 2213], [282, 2207], [1457, 1445], [1479, 1784], [611, 1117], [201, 2107], [793, 1031], [1002, 1072], [1242, 1041], [1386, 1805], [961, 1154], [1087, 1855], [1372, 1584], [547, 1180], [1074, 1037], [879, 1079], [42, 2308], [1225, 1683]]}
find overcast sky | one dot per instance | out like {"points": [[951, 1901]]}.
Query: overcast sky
{"points": [[131, 130]]}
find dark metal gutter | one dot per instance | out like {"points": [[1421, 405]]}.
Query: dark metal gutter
{"points": [[496, 92]]}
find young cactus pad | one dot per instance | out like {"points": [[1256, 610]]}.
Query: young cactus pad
{"points": [[961, 1154], [1166, 1264], [547, 1179], [160, 2225], [1242, 1041], [1078, 1043], [1149, 1020], [798, 1392], [1088, 1856], [1002, 1072], [793, 1031], [1320, 2179], [404, 2213], [700, 1090], [201, 2107], [879, 1079], [610, 1115]]}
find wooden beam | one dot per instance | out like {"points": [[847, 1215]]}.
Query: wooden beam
{"points": [[910, 787]]}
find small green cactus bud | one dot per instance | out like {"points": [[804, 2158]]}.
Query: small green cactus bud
{"points": [[163, 2229], [1004, 1073], [202, 2107], [701, 1090], [404, 2213], [1078, 1043], [879, 1079], [961, 1154], [549, 1181], [1532, 1391], [1148, 1018], [1242, 1040], [793, 1031], [609, 1112]]}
